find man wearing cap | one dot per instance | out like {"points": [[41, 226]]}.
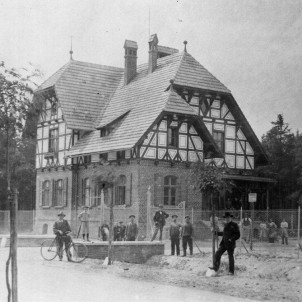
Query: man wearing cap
{"points": [[160, 220], [121, 231], [186, 234], [131, 229], [84, 218], [62, 230], [175, 235], [229, 235]]}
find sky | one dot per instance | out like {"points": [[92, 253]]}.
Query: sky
{"points": [[253, 47]]}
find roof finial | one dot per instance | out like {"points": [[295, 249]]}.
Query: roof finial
{"points": [[185, 42], [171, 84], [71, 52]]}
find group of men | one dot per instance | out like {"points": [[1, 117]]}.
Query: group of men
{"points": [[229, 234], [177, 232], [127, 232]]}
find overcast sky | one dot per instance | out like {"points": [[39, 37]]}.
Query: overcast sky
{"points": [[254, 47]]}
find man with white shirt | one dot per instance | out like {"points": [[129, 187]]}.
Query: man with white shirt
{"points": [[160, 220], [284, 232]]}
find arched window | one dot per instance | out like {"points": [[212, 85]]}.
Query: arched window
{"points": [[170, 188], [59, 193], [120, 191], [86, 192], [45, 193]]}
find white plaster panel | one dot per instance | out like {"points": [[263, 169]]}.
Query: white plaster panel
{"points": [[45, 145], [154, 140], [46, 131], [39, 146], [215, 113], [192, 130], [142, 150], [191, 146], [192, 156], [39, 132], [61, 158], [61, 142], [95, 158], [230, 131], [196, 109], [183, 155], [240, 134], [229, 116], [194, 100], [230, 160], [229, 146], [240, 162], [197, 142], [68, 137], [162, 139], [182, 141], [183, 128], [163, 125], [127, 154], [200, 154], [172, 153], [161, 153], [249, 149], [251, 160], [150, 153], [224, 110], [219, 127], [239, 149], [209, 126], [112, 155], [216, 104]]}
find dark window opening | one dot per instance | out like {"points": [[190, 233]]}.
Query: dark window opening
{"points": [[120, 191], [173, 137], [87, 159], [170, 188], [58, 193], [45, 193], [104, 156], [120, 155], [53, 144]]}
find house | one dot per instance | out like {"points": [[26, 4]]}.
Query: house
{"points": [[128, 137]]}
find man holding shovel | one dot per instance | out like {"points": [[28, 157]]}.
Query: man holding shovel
{"points": [[229, 235]]}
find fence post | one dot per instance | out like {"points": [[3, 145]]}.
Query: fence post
{"points": [[148, 235]]}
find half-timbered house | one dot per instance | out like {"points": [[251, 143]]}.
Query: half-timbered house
{"points": [[128, 136]]}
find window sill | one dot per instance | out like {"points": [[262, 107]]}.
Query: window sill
{"points": [[46, 207], [59, 207]]}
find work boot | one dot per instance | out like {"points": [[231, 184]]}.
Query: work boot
{"points": [[87, 236], [191, 252], [185, 254]]}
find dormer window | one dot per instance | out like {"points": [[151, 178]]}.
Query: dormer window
{"points": [[106, 131]]}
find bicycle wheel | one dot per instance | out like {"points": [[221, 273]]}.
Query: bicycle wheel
{"points": [[77, 252], [49, 249]]}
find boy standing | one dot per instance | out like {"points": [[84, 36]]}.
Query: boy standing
{"points": [[131, 229], [284, 231], [84, 217], [175, 235]]}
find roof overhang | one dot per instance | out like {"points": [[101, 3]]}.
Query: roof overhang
{"points": [[249, 178]]}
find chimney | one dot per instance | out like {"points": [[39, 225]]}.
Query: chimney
{"points": [[130, 61], [153, 52]]}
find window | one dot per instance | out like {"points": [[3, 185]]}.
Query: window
{"points": [[86, 192], [120, 191], [58, 193], [120, 155], [172, 137], [87, 159], [53, 144], [170, 187], [104, 156], [106, 131], [219, 139], [46, 193], [54, 108]]}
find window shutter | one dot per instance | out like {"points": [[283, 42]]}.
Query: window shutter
{"points": [[52, 192], [40, 193], [65, 192], [92, 192], [178, 190], [128, 190]]}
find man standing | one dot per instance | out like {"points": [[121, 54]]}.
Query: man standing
{"points": [[284, 231], [175, 235], [121, 232], [246, 227], [186, 234], [160, 220], [84, 218], [131, 229], [62, 230], [229, 235]]}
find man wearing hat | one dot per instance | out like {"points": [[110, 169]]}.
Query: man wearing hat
{"points": [[160, 220], [131, 229], [186, 234], [229, 235], [62, 230], [175, 235], [84, 218]]}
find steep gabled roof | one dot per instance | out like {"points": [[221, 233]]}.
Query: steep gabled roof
{"points": [[192, 74], [83, 90]]}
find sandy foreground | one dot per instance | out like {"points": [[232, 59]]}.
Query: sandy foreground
{"points": [[269, 273]]}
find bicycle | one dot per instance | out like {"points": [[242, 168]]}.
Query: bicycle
{"points": [[76, 251]]}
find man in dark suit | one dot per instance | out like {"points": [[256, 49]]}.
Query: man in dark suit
{"points": [[229, 235], [131, 229], [160, 220]]}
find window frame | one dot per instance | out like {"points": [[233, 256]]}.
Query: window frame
{"points": [[220, 143], [171, 187], [53, 141], [44, 190], [86, 191], [120, 191], [172, 137], [59, 193]]}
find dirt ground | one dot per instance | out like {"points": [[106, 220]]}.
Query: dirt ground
{"points": [[272, 272]]}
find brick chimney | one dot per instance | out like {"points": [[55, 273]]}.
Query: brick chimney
{"points": [[153, 52], [130, 61]]}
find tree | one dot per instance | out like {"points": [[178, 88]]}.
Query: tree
{"points": [[16, 90], [209, 180], [282, 149]]}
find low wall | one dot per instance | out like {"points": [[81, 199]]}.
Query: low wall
{"points": [[126, 251], [25, 240]]}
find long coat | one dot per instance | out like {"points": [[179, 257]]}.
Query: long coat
{"points": [[229, 235]]}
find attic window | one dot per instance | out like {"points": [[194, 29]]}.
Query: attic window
{"points": [[105, 131]]}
